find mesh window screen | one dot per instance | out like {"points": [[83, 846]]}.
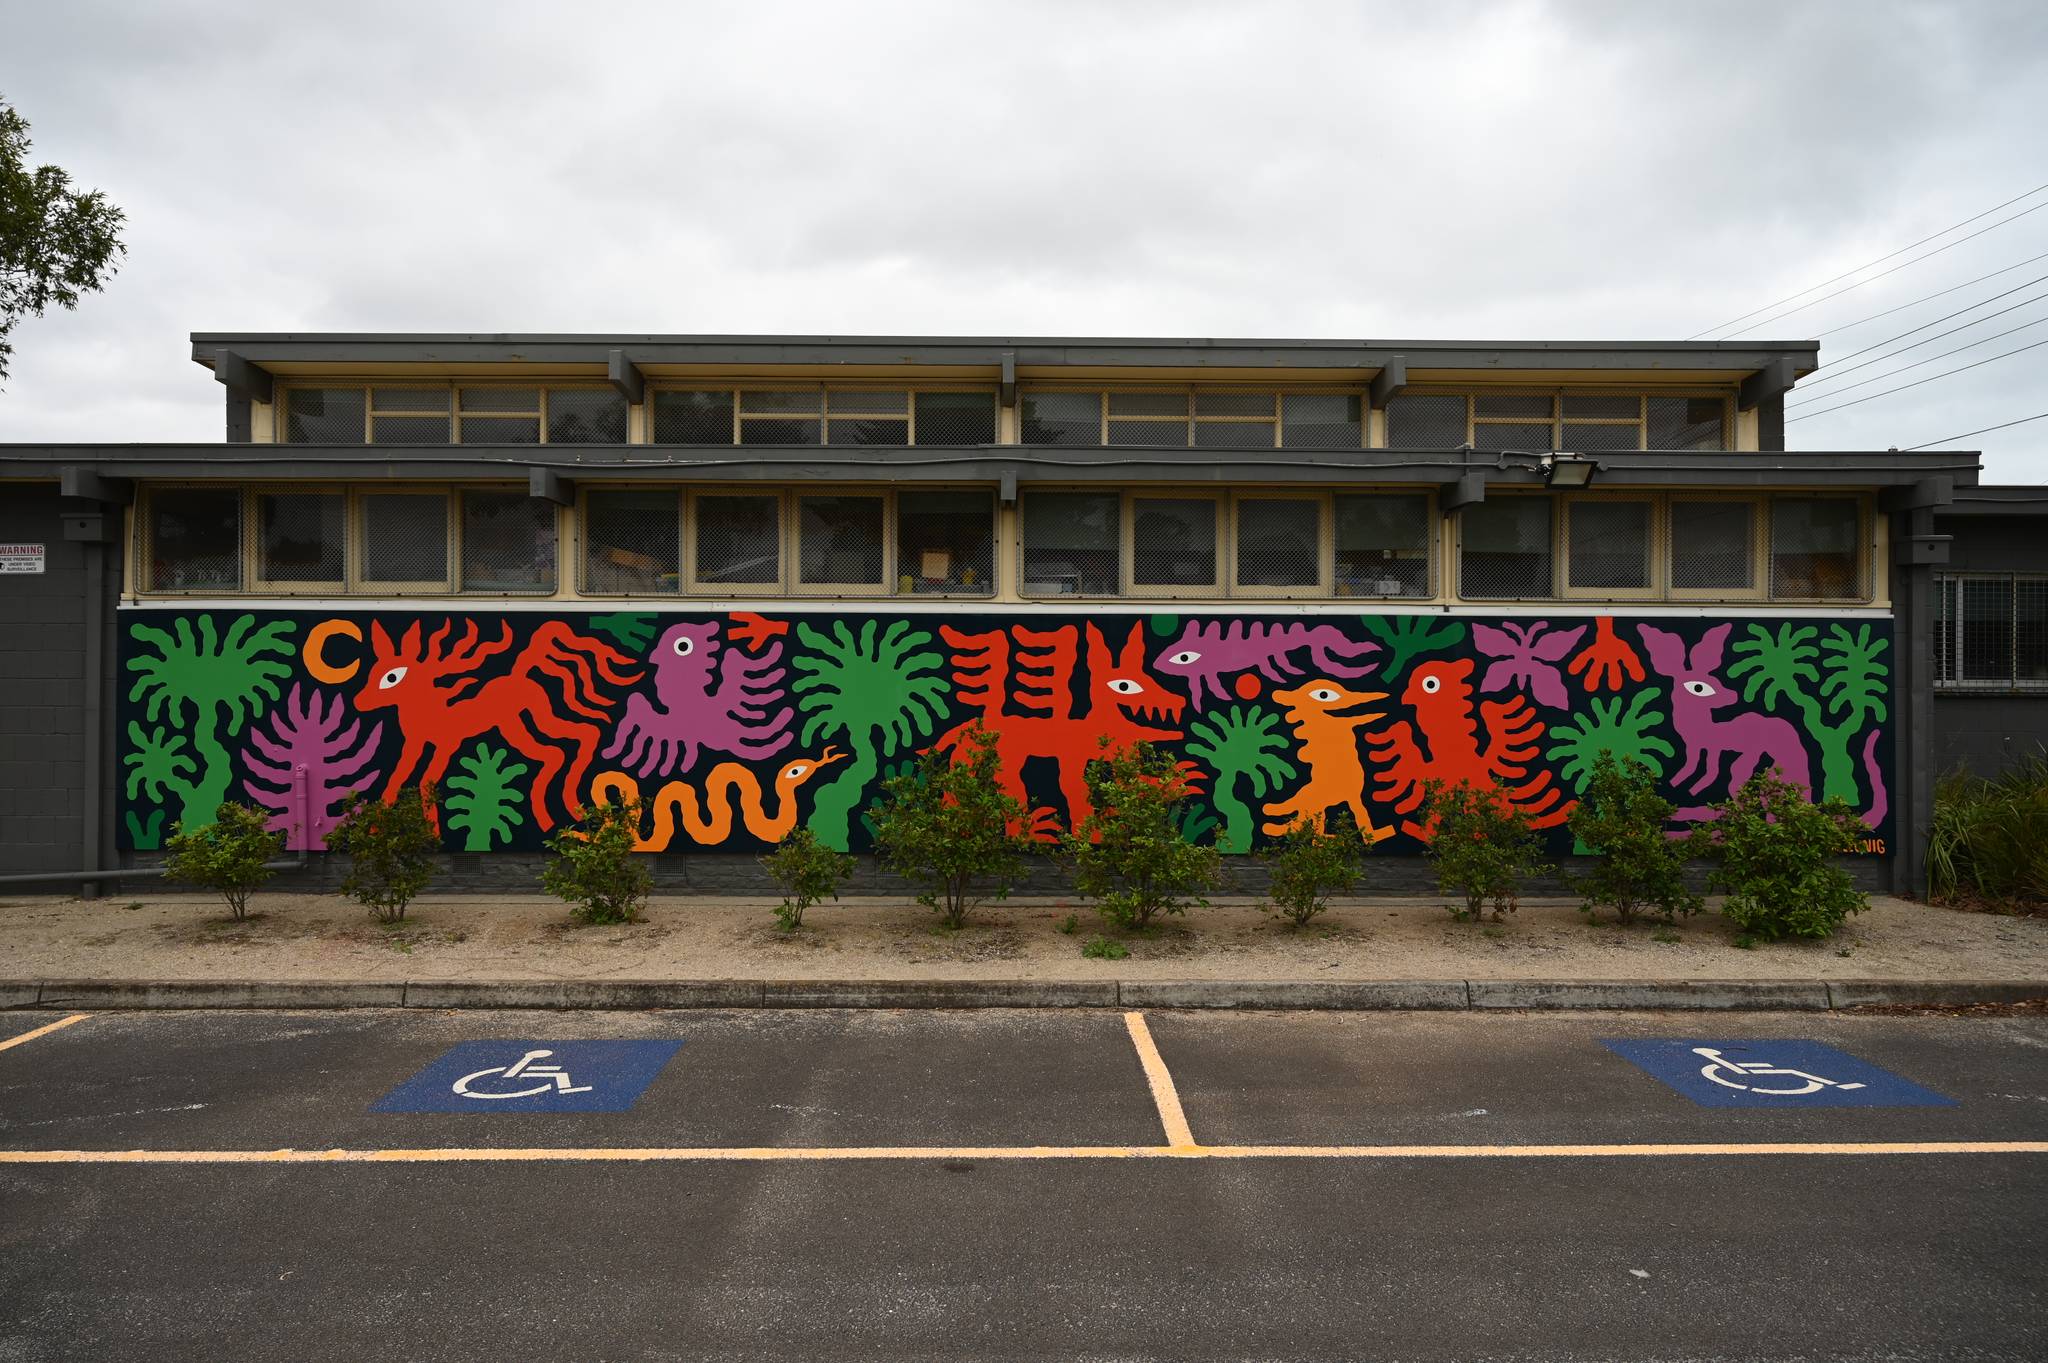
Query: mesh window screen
{"points": [[300, 537], [1329, 421], [2030, 631], [1509, 435], [500, 430], [869, 418], [195, 539], [1578, 405], [1687, 424], [1382, 542], [945, 542], [1504, 548], [839, 541], [328, 416], [780, 431], [693, 417], [498, 400], [738, 541], [632, 542], [1235, 435], [1713, 545], [404, 538], [410, 416], [1060, 418], [1608, 545], [1814, 548], [1590, 436], [956, 419], [1986, 634], [1235, 404], [1537, 406], [508, 542], [1425, 421], [1173, 541], [782, 417], [1279, 542], [1072, 543], [586, 416]]}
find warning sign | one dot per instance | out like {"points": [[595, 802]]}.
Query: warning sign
{"points": [[21, 558]]}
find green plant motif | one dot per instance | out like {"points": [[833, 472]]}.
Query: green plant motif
{"points": [[633, 629], [158, 761], [1163, 626], [881, 691], [1242, 741], [1409, 636], [210, 684], [902, 766], [1608, 728], [486, 805], [1786, 668], [145, 835], [1195, 821]]}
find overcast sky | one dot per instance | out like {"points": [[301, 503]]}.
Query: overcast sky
{"points": [[1388, 171]]}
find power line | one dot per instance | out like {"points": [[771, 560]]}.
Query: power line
{"points": [[1892, 373], [1850, 288], [1928, 298], [1860, 268], [1982, 430], [1852, 402], [1832, 372]]}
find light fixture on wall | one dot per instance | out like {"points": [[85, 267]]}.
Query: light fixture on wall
{"points": [[1568, 470]]}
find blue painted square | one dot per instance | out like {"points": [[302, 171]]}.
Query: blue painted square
{"points": [[532, 1076], [1783, 1074]]}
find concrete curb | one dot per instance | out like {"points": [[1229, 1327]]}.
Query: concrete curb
{"points": [[1805, 995]]}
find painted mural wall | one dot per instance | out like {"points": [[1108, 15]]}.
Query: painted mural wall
{"points": [[734, 727]]}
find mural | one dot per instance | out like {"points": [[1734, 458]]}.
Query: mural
{"points": [[732, 728]]}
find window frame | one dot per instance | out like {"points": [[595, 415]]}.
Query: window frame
{"points": [[793, 520], [252, 540], [1561, 556], [461, 545], [1864, 588], [1556, 547], [1558, 420], [893, 563], [1215, 588], [358, 552], [145, 540], [693, 539], [1276, 422], [581, 510], [1948, 621], [1759, 549], [1324, 587], [1023, 532], [1432, 548]]}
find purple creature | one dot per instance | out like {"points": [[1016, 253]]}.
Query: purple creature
{"points": [[706, 695], [336, 751], [1210, 650], [1529, 654], [1752, 739]]}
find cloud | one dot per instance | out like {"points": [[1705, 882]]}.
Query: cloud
{"points": [[1513, 170]]}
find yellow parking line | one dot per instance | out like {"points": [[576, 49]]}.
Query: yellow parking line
{"points": [[773, 1154], [1164, 1096], [44, 1030]]}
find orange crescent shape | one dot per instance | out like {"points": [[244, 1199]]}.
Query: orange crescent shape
{"points": [[316, 641]]}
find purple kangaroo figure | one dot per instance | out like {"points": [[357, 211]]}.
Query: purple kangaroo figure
{"points": [[1208, 651], [1696, 693]]}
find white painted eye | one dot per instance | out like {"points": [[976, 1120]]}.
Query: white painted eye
{"points": [[1325, 694], [391, 679], [1432, 684], [1185, 656], [795, 771], [1123, 686], [685, 646], [1699, 688]]}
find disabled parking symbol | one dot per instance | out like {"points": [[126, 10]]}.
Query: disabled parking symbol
{"points": [[1771, 1073], [533, 1076]]}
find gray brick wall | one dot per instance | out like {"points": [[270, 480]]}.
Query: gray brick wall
{"points": [[42, 675]]}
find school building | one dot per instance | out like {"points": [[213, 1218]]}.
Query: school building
{"points": [[744, 579]]}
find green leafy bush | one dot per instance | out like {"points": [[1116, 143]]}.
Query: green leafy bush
{"points": [[390, 851], [594, 868], [1774, 852], [946, 824], [1309, 864], [807, 870], [1104, 949], [1129, 855], [1483, 848], [227, 855], [1621, 817], [1989, 841]]}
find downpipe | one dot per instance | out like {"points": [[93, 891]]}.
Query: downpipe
{"points": [[298, 861]]}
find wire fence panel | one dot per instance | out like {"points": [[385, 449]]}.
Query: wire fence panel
{"points": [[1173, 541], [1816, 548]]}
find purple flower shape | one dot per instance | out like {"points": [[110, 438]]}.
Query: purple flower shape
{"points": [[1528, 654]]}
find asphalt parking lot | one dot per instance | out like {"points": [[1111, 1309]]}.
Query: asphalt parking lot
{"points": [[1022, 1185]]}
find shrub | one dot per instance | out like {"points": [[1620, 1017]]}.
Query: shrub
{"points": [[390, 851], [1129, 855], [594, 867], [1483, 847], [1621, 817], [227, 855], [1774, 852], [1989, 840], [1309, 864], [807, 871], [945, 825], [1103, 949]]}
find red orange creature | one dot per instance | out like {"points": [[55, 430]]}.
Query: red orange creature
{"points": [[442, 702], [1443, 744]]}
